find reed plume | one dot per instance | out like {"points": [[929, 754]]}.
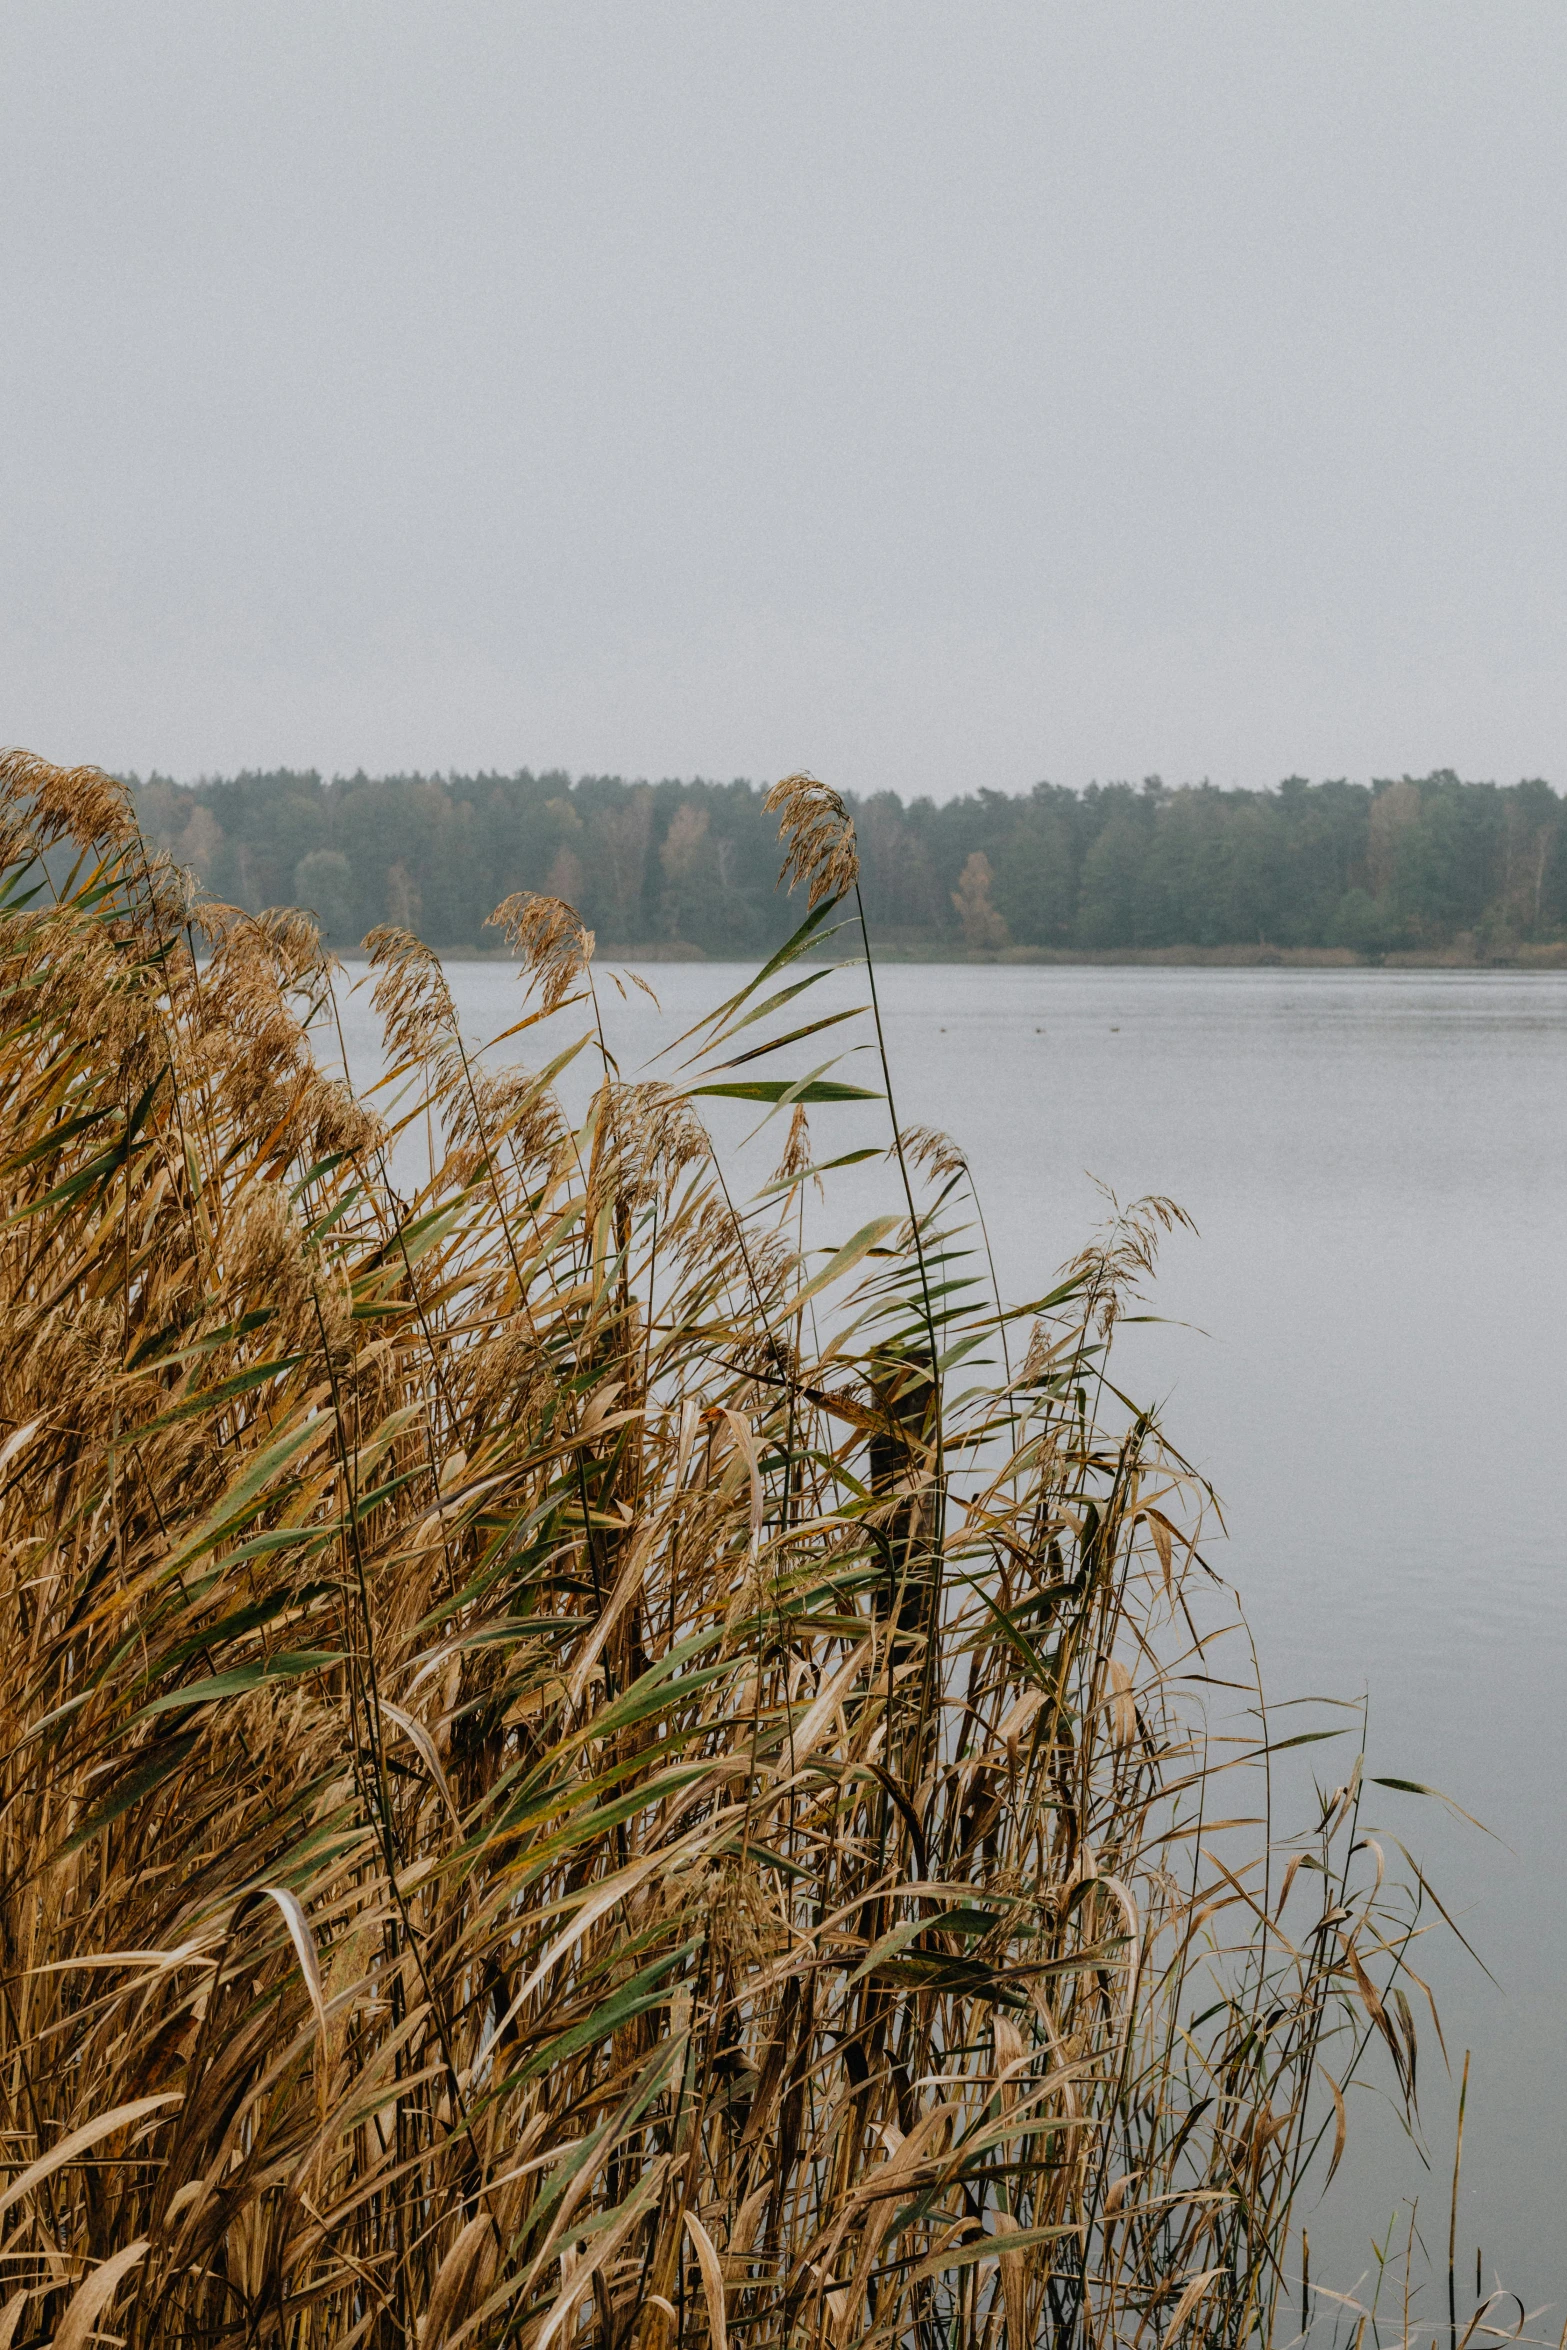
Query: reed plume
{"points": [[555, 946], [818, 835]]}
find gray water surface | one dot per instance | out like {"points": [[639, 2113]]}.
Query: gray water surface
{"points": [[1373, 1375]]}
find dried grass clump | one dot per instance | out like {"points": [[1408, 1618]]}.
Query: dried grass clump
{"points": [[564, 1781]]}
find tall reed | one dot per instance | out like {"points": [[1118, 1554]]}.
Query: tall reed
{"points": [[577, 1772]]}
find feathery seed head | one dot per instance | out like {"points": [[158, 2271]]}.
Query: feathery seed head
{"points": [[819, 835], [294, 940], [937, 1153], [508, 1111], [551, 938], [1124, 1253], [80, 802], [669, 1135], [797, 1149], [410, 993]]}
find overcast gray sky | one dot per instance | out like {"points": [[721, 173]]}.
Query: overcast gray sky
{"points": [[933, 395]]}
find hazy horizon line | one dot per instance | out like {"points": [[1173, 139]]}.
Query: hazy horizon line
{"points": [[573, 778]]}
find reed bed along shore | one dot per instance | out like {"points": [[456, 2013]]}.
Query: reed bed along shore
{"points": [[577, 1772]]}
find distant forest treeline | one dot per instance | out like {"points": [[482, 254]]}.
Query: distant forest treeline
{"points": [[1399, 865]]}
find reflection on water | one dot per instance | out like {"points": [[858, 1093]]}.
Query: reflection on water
{"points": [[1366, 1349]]}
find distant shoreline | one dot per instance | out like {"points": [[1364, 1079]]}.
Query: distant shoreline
{"points": [[1430, 873], [1550, 955]]}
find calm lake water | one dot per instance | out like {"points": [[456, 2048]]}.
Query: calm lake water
{"points": [[1369, 1359]]}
